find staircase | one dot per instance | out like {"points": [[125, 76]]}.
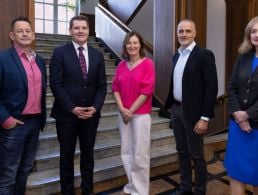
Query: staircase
{"points": [[44, 178]]}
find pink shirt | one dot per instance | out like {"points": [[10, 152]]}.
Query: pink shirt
{"points": [[34, 78], [132, 83]]}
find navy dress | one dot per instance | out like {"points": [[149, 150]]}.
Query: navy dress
{"points": [[241, 159]]}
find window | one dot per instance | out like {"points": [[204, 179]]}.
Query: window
{"points": [[52, 16]]}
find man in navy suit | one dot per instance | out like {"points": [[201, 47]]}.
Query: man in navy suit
{"points": [[22, 107], [192, 94], [78, 82]]}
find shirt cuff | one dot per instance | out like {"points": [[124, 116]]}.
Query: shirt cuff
{"points": [[8, 122], [205, 118]]}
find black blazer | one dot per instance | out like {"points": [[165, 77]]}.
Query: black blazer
{"points": [[14, 85], [243, 88], [199, 85], [69, 87]]}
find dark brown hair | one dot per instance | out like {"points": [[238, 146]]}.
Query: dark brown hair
{"points": [[20, 18], [125, 55], [82, 18]]}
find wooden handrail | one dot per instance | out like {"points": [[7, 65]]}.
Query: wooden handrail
{"points": [[147, 45]]}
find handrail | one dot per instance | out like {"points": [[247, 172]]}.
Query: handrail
{"points": [[222, 97], [147, 45]]}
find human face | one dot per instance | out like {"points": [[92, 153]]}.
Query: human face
{"points": [[79, 31], [22, 34], [254, 36], [186, 33], [133, 46]]}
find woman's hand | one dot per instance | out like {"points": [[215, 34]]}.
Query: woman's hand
{"points": [[240, 116]]}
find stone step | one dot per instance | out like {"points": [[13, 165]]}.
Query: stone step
{"points": [[108, 62], [108, 119], [109, 69], [48, 53], [109, 83], [105, 147], [54, 37], [109, 105], [109, 76], [50, 97], [48, 181], [50, 45]]}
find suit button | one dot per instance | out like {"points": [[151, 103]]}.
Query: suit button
{"points": [[249, 81], [84, 87], [245, 101], [248, 90]]}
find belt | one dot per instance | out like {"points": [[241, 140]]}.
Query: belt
{"points": [[28, 116], [177, 103]]}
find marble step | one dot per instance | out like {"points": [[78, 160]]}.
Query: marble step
{"points": [[48, 181], [108, 119], [48, 158]]}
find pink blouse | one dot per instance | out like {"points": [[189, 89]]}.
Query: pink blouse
{"points": [[132, 83]]}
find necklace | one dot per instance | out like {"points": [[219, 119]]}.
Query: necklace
{"points": [[132, 64]]}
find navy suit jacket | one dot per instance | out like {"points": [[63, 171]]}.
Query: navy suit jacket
{"points": [[199, 85], [69, 87], [14, 85]]}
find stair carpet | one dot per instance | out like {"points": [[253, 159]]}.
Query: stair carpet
{"points": [[44, 178]]}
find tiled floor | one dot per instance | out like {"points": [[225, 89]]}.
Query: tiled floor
{"points": [[217, 179]]}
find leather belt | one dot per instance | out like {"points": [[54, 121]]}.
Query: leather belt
{"points": [[28, 116]]}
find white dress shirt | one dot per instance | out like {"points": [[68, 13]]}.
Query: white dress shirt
{"points": [[179, 70]]}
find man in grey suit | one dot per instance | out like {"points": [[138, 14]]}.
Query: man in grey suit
{"points": [[192, 94], [78, 82]]}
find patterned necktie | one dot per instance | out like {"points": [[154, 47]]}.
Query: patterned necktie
{"points": [[82, 62]]}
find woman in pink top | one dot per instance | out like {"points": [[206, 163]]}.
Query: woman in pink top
{"points": [[133, 86]]}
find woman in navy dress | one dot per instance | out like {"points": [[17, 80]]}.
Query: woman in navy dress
{"points": [[241, 160]]}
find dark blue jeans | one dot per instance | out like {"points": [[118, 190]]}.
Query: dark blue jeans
{"points": [[190, 148], [17, 150]]}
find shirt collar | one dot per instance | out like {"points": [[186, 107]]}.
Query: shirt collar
{"points": [[76, 46], [21, 52], [189, 48]]}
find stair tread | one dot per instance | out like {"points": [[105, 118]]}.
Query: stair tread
{"points": [[43, 177], [105, 143]]}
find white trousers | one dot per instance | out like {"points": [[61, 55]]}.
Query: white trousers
{"points": [[135, 153]]}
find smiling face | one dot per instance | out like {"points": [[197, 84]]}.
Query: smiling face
{"points": [[186, 33], [133, 46], [22, 34], [254, 35], [79, 31]]}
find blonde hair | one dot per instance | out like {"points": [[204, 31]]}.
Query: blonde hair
{"points": [[246, 45]]}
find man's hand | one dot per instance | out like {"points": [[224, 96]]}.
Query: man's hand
{"points": [[201, 127], [14, 124], [84, 112]]}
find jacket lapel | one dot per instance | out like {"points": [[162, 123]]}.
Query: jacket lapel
{"points": [[20, 67]]}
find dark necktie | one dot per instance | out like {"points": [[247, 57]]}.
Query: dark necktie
{"points": [[82, 62]]}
